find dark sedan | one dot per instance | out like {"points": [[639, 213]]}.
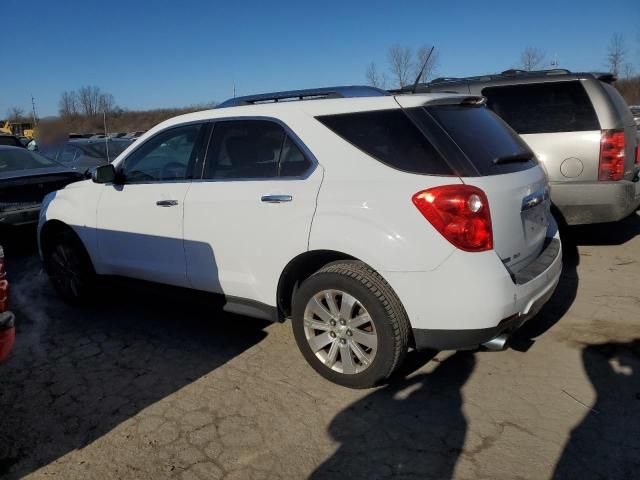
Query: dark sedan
{"points": [[25, 178]]}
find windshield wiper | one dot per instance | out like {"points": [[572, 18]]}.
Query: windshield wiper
{"points": [[514, 158]]}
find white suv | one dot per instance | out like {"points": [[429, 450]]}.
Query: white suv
{"points": [[376, 223]]}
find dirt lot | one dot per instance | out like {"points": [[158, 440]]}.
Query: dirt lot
{"points": [[155, 385]]}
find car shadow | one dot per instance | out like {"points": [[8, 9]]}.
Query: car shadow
{"points": [[76, 373], [572, 237], [607, 441], [410, 428]]}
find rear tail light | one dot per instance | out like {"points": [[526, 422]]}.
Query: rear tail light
{"points": [[611, 165], [460, 213], [638, 154]]}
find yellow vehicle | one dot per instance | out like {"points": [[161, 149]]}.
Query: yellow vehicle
{"points": [[22, 129]]}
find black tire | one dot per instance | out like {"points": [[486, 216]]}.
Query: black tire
{"points": [[69, 267], [386, 312]]}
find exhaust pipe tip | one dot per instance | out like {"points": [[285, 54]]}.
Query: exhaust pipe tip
{"points": [[500, 342]]}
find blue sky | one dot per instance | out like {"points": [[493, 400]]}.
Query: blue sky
{"points": [[176, 53]]}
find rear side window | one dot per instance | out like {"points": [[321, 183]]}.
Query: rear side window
{"points": [[391, 137], [253, 149], [544, 107], [487, 142]]}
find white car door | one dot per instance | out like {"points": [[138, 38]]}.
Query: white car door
{"points": [[139, 219], [252, 211]]}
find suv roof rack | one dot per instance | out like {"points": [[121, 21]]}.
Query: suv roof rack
{"points": [[308, 94], [511, 73]]}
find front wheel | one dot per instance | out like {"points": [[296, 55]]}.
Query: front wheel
{"points": [[350, 325], [69, 267]]}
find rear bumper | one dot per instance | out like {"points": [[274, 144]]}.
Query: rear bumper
{"points": [[595, 202], [472, 297]]}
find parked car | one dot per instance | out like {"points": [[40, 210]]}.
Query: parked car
{"points": [[7, 319], [10, 140], [374, 222], [25, 178], [580, 128], [82, 154]]}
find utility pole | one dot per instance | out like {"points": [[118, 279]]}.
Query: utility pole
{"points": [[33, 110], [234, 89]]}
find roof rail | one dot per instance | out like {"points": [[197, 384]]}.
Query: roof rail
{"points": [[308, 94]]}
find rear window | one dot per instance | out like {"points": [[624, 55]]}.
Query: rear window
{"points": [[544, 107], [9, 140], [12, 160], [391, 137], [487, 142]]}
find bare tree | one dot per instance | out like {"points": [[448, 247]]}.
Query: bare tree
{"points": [[15, 114], [400, 64], [106, 103], [68, 104], [374, 77], [422, 56], [532, 58], [627, 71], [616, 54], [89, 100]]}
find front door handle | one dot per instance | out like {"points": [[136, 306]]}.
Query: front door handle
{"points": [[167, 203], [276, 198]]}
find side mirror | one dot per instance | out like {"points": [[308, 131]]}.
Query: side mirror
{"points": [[104, 174]]}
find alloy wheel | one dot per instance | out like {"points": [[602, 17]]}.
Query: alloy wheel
{"points": [[340, 331]]}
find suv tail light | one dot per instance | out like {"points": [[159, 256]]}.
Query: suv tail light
{"points": [[611, 165], [460, 213]]}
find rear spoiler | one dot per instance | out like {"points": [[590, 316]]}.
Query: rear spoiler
{"points": [[606, 77], [457, 99]]}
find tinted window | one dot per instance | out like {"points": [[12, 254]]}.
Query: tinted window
{"points": [[483, 138], [242, 149], [293, 162], [9, 140], [22, 159], [168, 155], [391, 137], [544, 107]]}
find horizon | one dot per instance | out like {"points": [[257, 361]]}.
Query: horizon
{"points": [[172, 56]]}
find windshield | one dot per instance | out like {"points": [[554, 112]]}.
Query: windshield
{"points": [[20, 159]]}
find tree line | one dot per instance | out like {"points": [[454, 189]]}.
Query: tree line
{"points": [[403, 66]]}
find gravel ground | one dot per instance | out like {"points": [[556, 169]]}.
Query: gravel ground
{"points": [[157, 384]]}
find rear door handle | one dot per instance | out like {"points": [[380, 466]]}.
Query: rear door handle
{"points": [[276, 198], [167, 203]]}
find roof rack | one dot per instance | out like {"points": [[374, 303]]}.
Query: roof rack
{"points": [[308, 94]]}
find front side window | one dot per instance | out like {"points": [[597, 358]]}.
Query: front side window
{"points": [[544, 107], [167, 156], [252, 149]]}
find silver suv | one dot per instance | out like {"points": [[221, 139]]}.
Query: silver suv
{"points": [[579, 127]]}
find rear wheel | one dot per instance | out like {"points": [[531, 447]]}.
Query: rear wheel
{"points": [[350, 325], [69, 267]]}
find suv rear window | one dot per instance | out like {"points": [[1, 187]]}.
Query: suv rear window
{"points": [[456, 140], [483, 138], [544, 107], [391, 137]]}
